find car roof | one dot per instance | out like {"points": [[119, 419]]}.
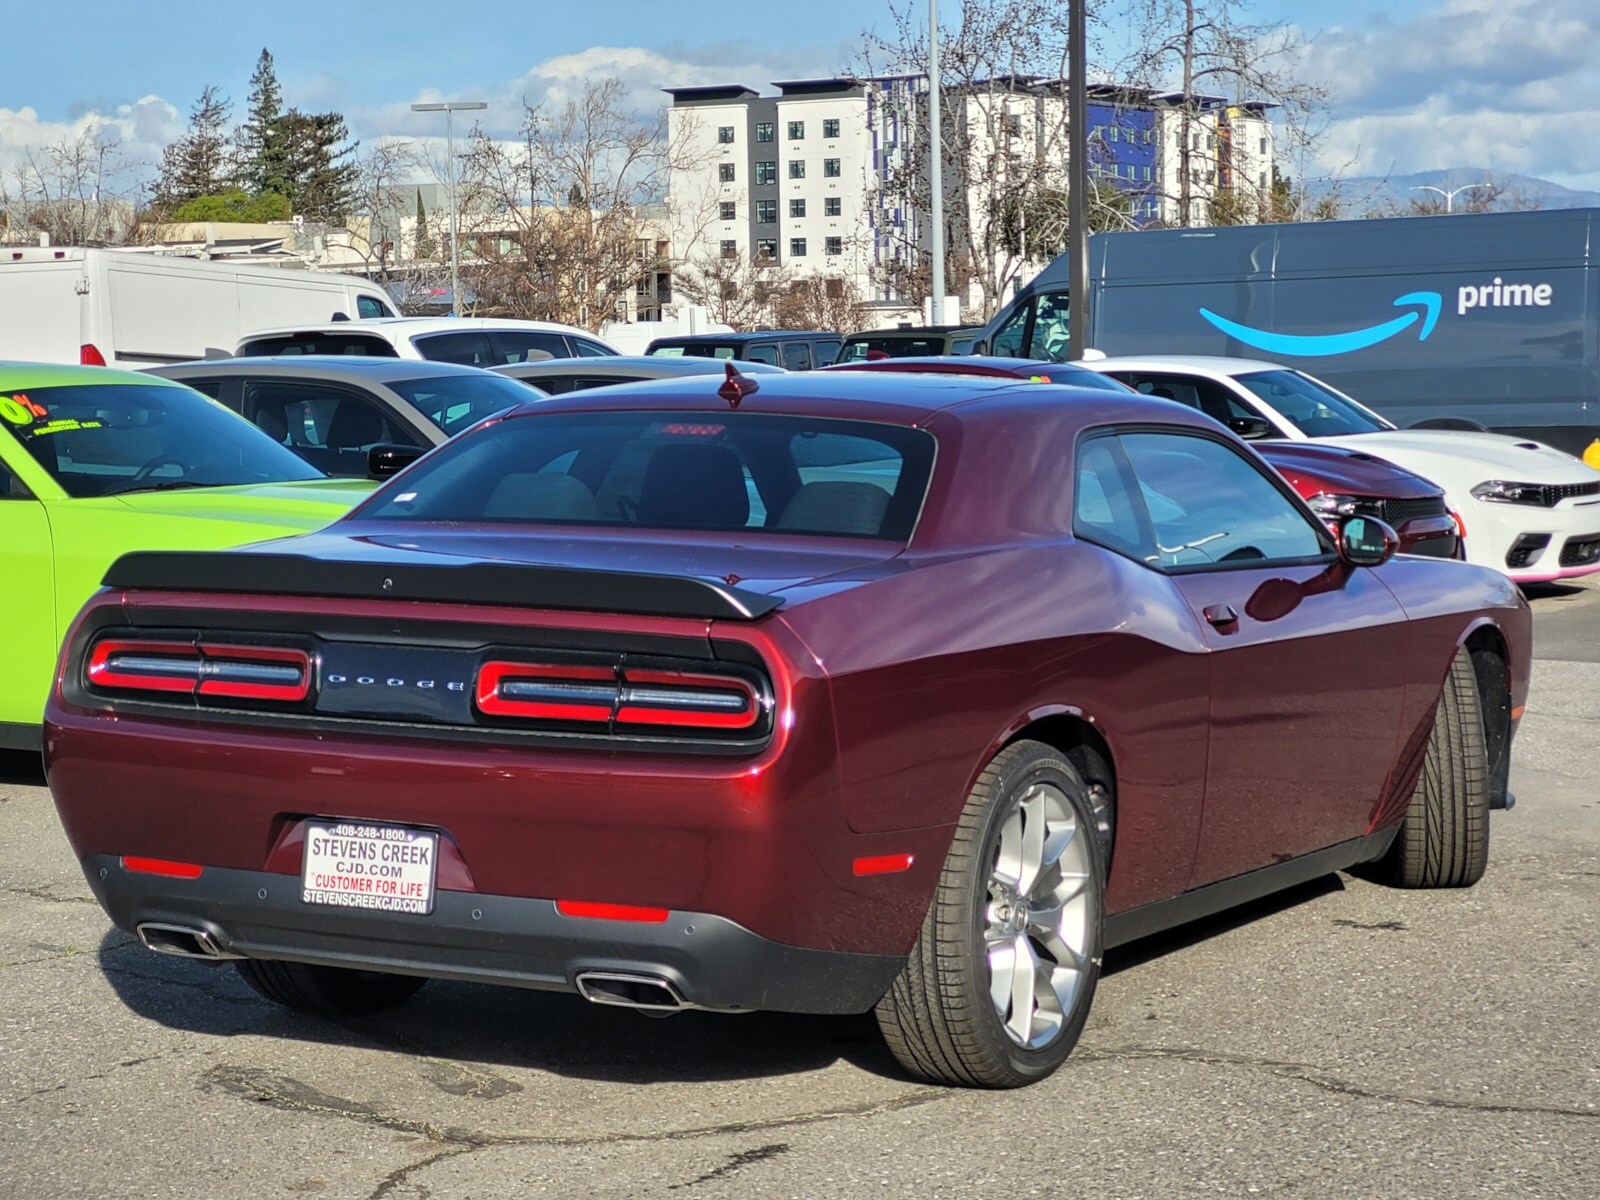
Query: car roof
{"points": [[410, 326], [632, 365], [18, 376], [759, 335], [355, 367], [912, 331], [1212, 365], [903, 398], [956, 364]]}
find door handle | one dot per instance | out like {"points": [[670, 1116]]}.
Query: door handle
{"points": [[1221, 615]]}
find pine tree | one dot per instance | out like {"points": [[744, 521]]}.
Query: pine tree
{"points": [[320, 174], [197, 163], [424, 249], [259, 142]]}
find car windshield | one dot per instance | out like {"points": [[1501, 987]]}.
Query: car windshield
{"points": [[682, 471], [1313, 409], [697, 350], [113, 438], [453, 402]]}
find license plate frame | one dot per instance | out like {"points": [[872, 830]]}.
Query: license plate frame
{"points": [[370, 865]]}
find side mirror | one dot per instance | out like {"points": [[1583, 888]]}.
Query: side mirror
{"points": [[390, 458], [1366, 541], [1250, 428]]}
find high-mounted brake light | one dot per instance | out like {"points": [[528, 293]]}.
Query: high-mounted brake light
{"points": [[207, 669], [89, 355]]}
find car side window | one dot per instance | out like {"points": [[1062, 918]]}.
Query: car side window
{"points": [[1106, 508], [513, 346], [1008, 340], [1049, 339], [1210, 397], [331, 428], [828, 352], [796, 356], [371, 306], [766, 352], [12, 488], [209, 387], [1209, 505], [587, 349], [467, 349]]}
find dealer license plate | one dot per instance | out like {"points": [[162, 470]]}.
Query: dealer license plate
{"points": [[354, 865]]}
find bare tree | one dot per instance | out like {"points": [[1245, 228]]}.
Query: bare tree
{"points": [[830, 302], [383, 201], [79, 191], [734, 290]]}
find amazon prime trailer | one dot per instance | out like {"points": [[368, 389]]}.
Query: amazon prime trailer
{"points": [[1489, 317]]}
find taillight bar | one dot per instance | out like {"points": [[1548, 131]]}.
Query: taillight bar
{"points": [[201, 669], [629, 696]]}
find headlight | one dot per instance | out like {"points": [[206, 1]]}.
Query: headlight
{"points": [[1498, 491], [1332, 506]]}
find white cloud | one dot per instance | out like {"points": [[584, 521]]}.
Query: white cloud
{"points": [[138, 129], [1506, 85]]}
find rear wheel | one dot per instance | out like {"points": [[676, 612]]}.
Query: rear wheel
{"points": [[327, 991], [1444, 840], [998, 986]]}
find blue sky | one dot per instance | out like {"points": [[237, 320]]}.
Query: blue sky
{"points": [[1512, 85]]}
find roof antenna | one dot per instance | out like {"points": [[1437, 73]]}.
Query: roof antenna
{"points": [[736, 387]]}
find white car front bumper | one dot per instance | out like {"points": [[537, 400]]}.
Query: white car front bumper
{"points": [[1529, 543]]}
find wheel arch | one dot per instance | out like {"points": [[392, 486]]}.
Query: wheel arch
{"points": [[1078, 737]]}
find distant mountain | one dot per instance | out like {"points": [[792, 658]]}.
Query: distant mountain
{"points": [[1363, 194]]}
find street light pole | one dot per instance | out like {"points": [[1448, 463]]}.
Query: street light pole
{"points": [[1451, 194], [449, 108], [1077, 182], [936, 167]]}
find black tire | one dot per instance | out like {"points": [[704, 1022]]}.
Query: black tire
{"points": [[938, 1018], [327, 991], [1444, 839]]}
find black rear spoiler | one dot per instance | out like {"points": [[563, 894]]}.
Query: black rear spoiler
{"points": [[509, 584]]}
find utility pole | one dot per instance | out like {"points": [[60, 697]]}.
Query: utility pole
{"points": [[1077, 182], [936, 166], [448, 108]]}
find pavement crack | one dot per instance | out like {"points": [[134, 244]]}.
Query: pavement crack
{"points": [[1316, 1077], [736, 1162], [45, 894]]}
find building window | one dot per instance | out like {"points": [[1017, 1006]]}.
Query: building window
{"points": [[830, 129], [730, 249], [1116, 134], [833, 245], [1263, 147], [725, 172], [766, 212], [1014, 124], [766, 249], [797, 131], [764, 131], [797, 168], [797, 247], [766, 172], [832, 206], [797, 208], [728, 210], [725, 134], [830, 168], [1263, 181]]}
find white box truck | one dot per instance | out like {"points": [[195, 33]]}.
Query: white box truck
{"points": [[126, 308]]}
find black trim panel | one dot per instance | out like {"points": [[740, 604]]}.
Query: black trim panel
{"points": [[508, 584], [714, 962], [15, 735], [1124, 927]]}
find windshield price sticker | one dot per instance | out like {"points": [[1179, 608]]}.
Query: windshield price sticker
{"points": [[20, 410], [385, 867]]}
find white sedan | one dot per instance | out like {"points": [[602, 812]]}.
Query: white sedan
{"points": [[1524, 508]]}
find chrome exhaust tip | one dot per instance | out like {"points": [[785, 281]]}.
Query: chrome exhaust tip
{"points": [[181, 941], [649, 994]]}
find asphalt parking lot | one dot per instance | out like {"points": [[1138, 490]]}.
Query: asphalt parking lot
{"points": [[1344, 1040]]}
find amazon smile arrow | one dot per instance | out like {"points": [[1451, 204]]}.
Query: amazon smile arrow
{"points": [[1293, 345]]}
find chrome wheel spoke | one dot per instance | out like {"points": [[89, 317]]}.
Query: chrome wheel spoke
{"points": [[1035, 838], [1002, 970], [1008, 856], [1025, 981]]}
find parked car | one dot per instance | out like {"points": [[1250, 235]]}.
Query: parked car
{"points": [[910, 341], [793, 350], [95, 462], [1524, 508], [332, 411], [558, 375], [1336, 482], [468, 341], [913, 733], [130, 308]]}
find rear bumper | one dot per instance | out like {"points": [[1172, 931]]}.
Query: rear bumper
{"points": [[714, 963]]}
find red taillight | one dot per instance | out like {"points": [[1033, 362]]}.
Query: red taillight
{"points": [[161, 866], [603, 694], [883, 864], [201, 669], [89, 355], [599, 911]]}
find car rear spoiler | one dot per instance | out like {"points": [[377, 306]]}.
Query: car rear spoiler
{"points": [[510, 584]]}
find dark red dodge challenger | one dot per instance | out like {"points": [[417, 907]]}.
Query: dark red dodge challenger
{"points": [[827, 694]]}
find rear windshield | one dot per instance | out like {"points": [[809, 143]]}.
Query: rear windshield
{"points": [[452, 402], [112, 439], [283, 344], [1079, 377], [699, 350], [857, 349], [690, 471]]}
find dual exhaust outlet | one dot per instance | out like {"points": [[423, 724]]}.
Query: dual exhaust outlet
{"points": [[652, 995]]}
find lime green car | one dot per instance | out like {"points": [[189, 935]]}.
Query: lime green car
{"points": [[96, 462]]}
